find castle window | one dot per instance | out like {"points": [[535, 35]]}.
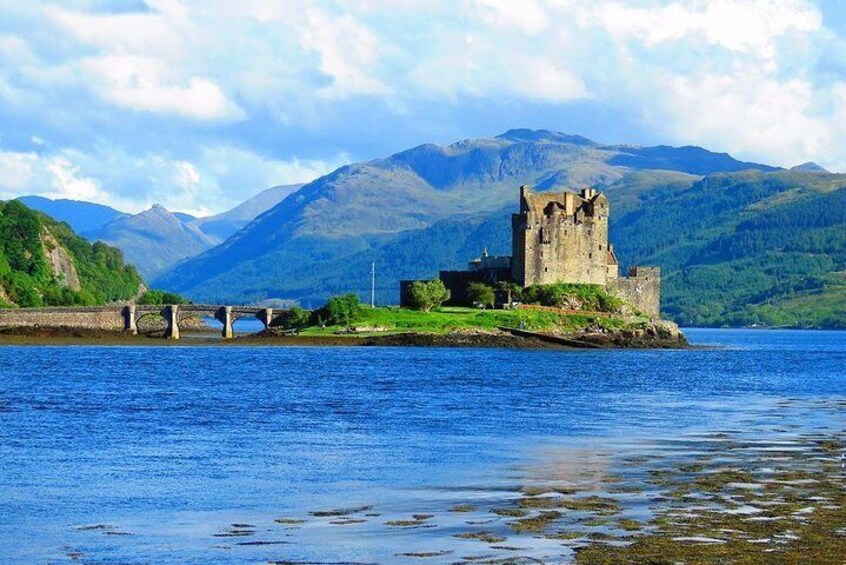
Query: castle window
{"points": [[600, 247], [590, 255]]}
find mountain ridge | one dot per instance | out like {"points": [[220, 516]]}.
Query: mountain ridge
{"points": [[156, 241], [361, 208]]}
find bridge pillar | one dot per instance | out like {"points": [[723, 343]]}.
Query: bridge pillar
{"points": [[171, 316], [224, 316], [265, 316], [130, 323]]}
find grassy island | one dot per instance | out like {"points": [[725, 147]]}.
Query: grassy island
{"points": [[345, 318], [449, 319]]}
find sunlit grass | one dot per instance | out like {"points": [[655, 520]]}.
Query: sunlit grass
{"points": [[451, 319]]}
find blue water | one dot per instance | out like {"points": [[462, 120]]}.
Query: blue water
{"points": [[172, 445]]}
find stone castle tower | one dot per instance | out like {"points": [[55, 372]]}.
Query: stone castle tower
{"points": [[558, 237], [562, 237]]}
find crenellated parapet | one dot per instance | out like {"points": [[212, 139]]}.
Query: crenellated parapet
{"points": [[560, 236]]}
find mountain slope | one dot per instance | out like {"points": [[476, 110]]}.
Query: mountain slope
{"points": [[80, 215], [223, 225], [325, 231], [42, 262], [153, 240]]}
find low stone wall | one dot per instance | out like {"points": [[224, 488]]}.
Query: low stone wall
{"points": [[108, 319]]}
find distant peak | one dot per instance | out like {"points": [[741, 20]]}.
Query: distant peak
{"points": [[809, 167], [537, 135], [155, 211]]}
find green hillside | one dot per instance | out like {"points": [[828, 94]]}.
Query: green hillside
{"points": [[745, 248], [43, 263]]}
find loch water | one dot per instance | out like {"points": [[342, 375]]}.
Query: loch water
{"points": [[189, 454]]}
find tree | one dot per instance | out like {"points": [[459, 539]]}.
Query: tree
{"points": [[425, 295], [480, 293], [342, 309], [297, 318], [515, 290], [161, 298]]}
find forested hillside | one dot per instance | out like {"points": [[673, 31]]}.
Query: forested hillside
{"points": [[43, 263], [746, 248]]}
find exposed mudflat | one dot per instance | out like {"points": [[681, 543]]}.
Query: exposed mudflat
{"points": [[194, 337]]}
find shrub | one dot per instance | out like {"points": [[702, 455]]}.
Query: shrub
{"points": [[296, 318], [341, 309], [480, 293], [425, 295], [578, 296]]}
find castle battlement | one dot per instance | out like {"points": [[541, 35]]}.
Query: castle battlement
{"points": [[561, 236]]}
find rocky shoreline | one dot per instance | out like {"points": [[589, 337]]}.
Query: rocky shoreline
{"points": [[654, 337]]}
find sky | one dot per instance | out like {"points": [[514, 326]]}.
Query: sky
{"points": [[199, 104]]}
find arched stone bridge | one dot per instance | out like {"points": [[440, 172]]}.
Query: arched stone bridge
{"points": [[126, 318], [226, 315]]}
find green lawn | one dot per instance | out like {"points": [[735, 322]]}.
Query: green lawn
{"points": [[448, 319]]}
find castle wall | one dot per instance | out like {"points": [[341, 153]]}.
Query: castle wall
{"points": [[457, 282], [641, 289], [560, 238]]}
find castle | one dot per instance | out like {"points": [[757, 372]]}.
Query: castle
{"points": [[560, 238]]}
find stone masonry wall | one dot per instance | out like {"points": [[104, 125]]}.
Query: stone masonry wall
{"points": [[560, 238], [641, 289], [97, 319]]}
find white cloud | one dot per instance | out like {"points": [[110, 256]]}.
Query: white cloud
{"points": [[528, 16], [347, 50], [139, 84], [221, 177], [779, 121], [55, 176], [16, 172], [320, 76], [67, 181], [141, 32]]}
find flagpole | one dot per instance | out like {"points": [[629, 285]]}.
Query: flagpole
{"points": [[373, 285]]}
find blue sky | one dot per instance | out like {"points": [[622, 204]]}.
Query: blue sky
{"points": [[198, 104]]}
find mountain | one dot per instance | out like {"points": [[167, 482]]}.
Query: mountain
{"points": [[422, 209], [157, 239], [81, 216], [224, 225], [809, 167], [154, 239], [43, 262]]}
